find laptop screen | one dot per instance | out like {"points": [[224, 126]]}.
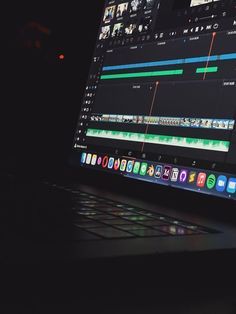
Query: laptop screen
{"points": [[160, 100]]}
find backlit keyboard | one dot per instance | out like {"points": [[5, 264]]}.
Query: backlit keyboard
{"points": [[101, 218]]}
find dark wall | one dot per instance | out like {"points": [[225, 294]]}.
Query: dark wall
{"points": [[41, 94]]}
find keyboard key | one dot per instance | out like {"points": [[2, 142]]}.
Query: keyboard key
{"points": [[114, 222], [175, 230], [162, 218], [109, 208], [89, 224], [130, 208], [137, 218], [106, 207], [132, 227], [83, 209], [120, 205], [153, 223], [148, 233], [86, 204], [100, 216], [94, 215], [86, 213], [122, 213], [142, 212], [111, 233]]}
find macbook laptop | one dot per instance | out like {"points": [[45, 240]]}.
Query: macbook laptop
{"points": [[153, 167]]}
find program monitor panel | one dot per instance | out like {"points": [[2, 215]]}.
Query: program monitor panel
{"points": [[159, 103]]}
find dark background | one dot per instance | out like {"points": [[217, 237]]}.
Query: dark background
{"points": [[41, 94], [40, 100]]}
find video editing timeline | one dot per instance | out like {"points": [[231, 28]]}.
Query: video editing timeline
{"points": [[139, 99], [163, 89], [196, 66], [188, 178], [192, 58], [184, 122], [169, 122]]}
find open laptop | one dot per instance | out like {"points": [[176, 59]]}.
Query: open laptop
{"points": [[153, 165]]}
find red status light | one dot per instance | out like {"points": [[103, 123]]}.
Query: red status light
{"points": [[61, 56]]}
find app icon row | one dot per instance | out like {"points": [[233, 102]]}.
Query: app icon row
{"points": [[173, 174]]}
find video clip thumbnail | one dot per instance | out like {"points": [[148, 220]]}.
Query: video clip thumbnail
{"points": [[122, 9], [105, 32], [109, 14], [135, 6], [118, 30], [130, 29]]}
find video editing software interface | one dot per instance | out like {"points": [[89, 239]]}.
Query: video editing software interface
{"points": [[160, 101]]}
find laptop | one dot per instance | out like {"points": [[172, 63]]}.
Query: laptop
{"points": [[152, 168]]}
